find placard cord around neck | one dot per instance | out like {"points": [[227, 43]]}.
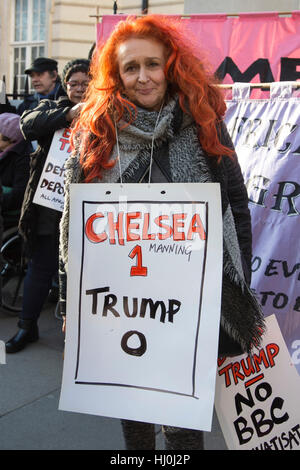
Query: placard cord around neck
{"points": [[152, 146]]}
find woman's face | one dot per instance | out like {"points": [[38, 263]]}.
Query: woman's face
{"points": [[4, 143], [76, 86], [141, 67]]}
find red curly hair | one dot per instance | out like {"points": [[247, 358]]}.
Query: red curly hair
{"points": [[186, 76]]}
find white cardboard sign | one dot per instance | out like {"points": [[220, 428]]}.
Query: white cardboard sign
{"points": [[50, 191], [143, 302], [257, 397]]}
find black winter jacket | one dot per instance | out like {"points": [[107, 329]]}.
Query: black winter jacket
{"points": [[14, 173], [40, 124]]}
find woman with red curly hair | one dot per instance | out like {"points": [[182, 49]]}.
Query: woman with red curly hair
{"points": [[153, 114]]}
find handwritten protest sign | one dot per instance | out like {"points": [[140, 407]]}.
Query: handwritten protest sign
{"points": [[50, 191], [143, 303], [257, 397]]}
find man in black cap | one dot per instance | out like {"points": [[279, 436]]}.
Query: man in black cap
{"points": [[45, 81]]}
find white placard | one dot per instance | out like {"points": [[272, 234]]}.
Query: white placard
{"points": [[143, 302], [50, 191], [257, 397], [2, 92], [2, 353]]}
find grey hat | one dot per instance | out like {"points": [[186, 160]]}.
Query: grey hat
{"points": [[42, 64]]}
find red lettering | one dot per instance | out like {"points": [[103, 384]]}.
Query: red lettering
{"points": [[261, 357], [139, 269], [146, 235], [272, 351], [196, 226], [64, 142], [115, 226], [226, 371], [247, 369], [89, 230], [67, 133], [169, 230], [236, 372], [177, 223], [129, 226]]}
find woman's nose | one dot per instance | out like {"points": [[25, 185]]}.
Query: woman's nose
{"points": [[143, 76]]}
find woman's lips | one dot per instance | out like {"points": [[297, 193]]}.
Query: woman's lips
{"points": [[145, 91]]}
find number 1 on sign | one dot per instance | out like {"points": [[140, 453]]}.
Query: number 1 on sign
{"points": [[139, 269]]}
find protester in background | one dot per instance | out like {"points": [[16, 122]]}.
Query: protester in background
{"points": [[46, 82], [39, 226], [151, 97], [7, 107], [14, 167]]}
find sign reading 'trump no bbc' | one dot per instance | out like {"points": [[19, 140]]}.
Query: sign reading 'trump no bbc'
{"points": [[50, 191], [143, 302]]}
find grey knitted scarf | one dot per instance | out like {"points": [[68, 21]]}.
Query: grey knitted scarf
{"points": [[241, 316]]}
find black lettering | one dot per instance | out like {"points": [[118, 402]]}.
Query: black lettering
{"points": [[277, 404], [290, 128], [297, 151], [292, 437], [153, 308], [94, 293], [251, 133], [265, 296], [289, 197], [174, 307], [259, 422], [109, 302], [264, 387], [243, 432], [134, 351], [289, 69], [266, 141], [280, 300], [256, 183], [255, 264], [134, 308], [286, 271], [49, 167], [297, 304], [269, 269], [260, 66], [239, 399]]}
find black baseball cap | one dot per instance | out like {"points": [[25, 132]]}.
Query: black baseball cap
{"points": [[41, 64]]}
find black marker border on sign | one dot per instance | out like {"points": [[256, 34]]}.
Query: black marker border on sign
{"points": [[192, 395]]}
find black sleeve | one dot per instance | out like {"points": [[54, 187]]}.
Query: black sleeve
{"points": [[43, 120], [13, 199], [238, 198]]}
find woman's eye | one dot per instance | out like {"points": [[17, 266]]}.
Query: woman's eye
{"points": [[130, 68]]}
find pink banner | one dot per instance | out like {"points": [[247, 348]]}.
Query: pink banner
{"points": [[254, 47]]}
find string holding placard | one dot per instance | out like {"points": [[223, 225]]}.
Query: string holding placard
{"points": [[152, 146]]}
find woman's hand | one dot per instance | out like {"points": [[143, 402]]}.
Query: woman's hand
{"points": [[74, 112]]}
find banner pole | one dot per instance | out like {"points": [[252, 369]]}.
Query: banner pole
{"points": [[253, 85]]}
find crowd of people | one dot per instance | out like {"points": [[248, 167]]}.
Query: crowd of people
{"points": [[52, 107], [144, 100]]}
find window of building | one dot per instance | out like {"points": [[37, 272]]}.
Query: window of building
{"points": [[29, 38]]}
